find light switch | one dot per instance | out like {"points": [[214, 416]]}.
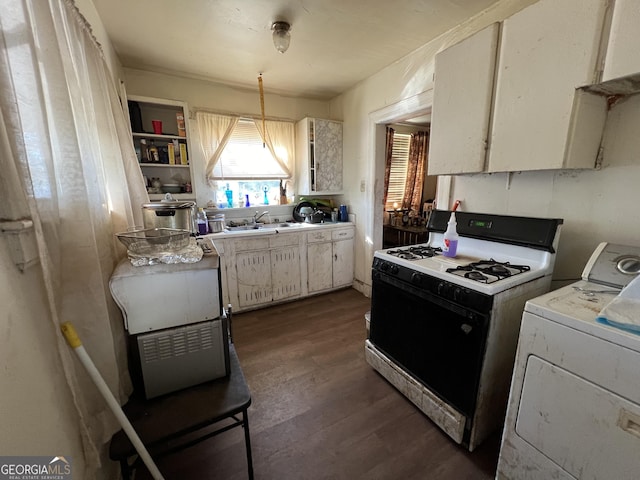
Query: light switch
{"points": [[362, 185]]}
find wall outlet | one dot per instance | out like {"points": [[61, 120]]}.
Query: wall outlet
{"points": [[362, 186]]}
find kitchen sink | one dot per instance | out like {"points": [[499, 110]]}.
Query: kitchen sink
{"points": [[263, 226]]}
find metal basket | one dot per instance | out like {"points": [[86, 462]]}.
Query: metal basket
{"points": [[154, 241]]}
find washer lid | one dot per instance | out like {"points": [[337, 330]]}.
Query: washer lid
{"points": [[613, 265]]}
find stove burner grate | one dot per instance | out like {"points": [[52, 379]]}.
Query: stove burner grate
{"points": [[415, 252], [488, 271]]}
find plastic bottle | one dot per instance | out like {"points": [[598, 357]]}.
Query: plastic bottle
{"points": [[229, 194], [201, 220], [153, 153], [450, 244]]}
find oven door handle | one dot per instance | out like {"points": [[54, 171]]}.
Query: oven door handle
{"points": [[473, 317]]}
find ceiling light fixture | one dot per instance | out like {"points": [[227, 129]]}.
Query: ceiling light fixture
{"points": [[281, 36]]}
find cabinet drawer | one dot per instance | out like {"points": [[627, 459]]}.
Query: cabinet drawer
{"points": [[245, 244], [319, 236], [342, 234], [284, 240]]}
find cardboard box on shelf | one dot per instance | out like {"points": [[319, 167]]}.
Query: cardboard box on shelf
{"points": [[182, 132], [183, 155], [171, 152]]}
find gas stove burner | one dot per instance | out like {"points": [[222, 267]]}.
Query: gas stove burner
{"points": [[499, 266], [477, 276], [425, 252], [488, 271], [404, 254]]}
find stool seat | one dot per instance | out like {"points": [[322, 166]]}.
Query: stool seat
{"points": [[161, 421]]}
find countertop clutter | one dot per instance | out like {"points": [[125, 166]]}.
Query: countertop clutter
{"points": [[274, 228]]}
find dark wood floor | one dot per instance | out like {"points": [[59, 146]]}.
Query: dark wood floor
{"points": [[319, 411]]}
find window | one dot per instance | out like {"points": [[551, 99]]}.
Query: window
{"points": [[398, 170], [246, 157], [242, 166]]}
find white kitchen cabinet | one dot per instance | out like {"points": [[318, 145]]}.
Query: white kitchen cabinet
{"points": [[623, 55], [318, 156], [462, 102], [547, 51], [320, 266], [329, 259], [521, 110], [343, 258], [254, 278], [266, 268], [170, 167]]}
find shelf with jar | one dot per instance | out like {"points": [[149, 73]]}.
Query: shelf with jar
{"points": [[161, 142]]}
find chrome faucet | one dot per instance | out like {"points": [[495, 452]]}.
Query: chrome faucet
{"points": [[258, 216]]}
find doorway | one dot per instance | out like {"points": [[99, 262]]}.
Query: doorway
{"points": [[416, 109], [408, 192]]}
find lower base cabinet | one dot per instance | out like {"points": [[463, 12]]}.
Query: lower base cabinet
{"points": [[260, 270], [329, 259]]}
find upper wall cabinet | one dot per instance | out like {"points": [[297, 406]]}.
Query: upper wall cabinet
{"points": [[462, 104], [623, 51], [547, 51], [318, 156], [521, 110]]}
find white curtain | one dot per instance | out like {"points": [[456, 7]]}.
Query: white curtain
{"points": [[71, 153], [280, 139], [214, 132]]}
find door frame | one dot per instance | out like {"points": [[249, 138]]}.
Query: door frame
{"points": [[398, 112]]}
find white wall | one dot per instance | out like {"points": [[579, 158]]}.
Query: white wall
{"points": [[596, 205], [36, 409], [200, 94], [409, 78]]}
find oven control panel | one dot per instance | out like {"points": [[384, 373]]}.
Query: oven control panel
{"points": [[437, 287]]}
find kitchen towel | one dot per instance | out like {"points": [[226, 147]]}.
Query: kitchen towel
{"points": [[624, 311]]}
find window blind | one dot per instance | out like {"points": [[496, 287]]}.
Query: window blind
{"points": [[398, 170], [245, 157]]}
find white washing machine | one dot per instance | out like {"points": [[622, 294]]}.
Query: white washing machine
{"points": [[574, 404]]}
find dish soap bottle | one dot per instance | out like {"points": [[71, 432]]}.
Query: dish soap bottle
{"points": [[201, 219], [450, 238]]}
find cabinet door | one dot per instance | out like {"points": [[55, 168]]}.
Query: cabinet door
{"points": [[547, 51], [462, 99], [254, 278], [319, 264], [285, 272], [343, 263], [328, 155], [623, 54]]}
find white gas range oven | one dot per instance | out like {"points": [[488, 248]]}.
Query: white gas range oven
{"points": [[444, 330]]}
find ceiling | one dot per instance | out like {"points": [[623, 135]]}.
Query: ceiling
{"points": [[334, 43]]}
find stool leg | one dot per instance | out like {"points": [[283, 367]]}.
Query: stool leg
{"points": [[124, 469], [247, 441]]}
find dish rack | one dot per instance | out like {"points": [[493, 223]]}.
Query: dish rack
{"points": [[154, 241]]}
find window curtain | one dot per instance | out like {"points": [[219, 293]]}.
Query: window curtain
{"points": [[415, 171], [280, 140], [387, 165], [72, 157], [214, 132]]}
